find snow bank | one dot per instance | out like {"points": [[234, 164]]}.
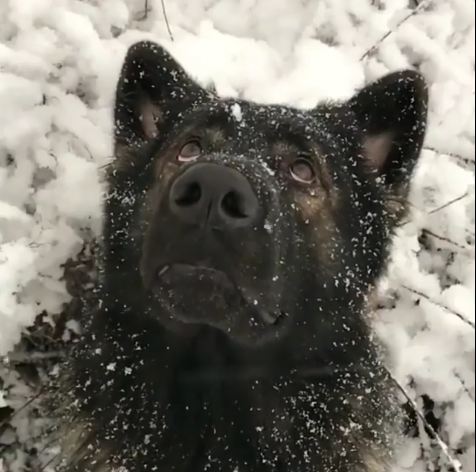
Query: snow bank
{"points": [[59, 61]]}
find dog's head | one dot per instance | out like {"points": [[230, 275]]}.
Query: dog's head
{"points": [[250, 218]]}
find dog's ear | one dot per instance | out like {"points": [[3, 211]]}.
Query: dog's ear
{"points": [[391, 114], [152, 88]]}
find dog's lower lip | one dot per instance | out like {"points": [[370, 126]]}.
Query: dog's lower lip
{"points": [[185, 270], [268, 317]]}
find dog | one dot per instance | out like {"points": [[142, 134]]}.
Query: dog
{"points": [[240, 244]]}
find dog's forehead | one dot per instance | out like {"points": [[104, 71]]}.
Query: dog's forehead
{"points": [[266, 118], [256, 125]]}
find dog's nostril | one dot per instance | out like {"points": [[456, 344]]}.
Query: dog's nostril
{"points": [[233, 205], [189, 195]]}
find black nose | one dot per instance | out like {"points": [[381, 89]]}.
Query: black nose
{"points": [[213, 195]]}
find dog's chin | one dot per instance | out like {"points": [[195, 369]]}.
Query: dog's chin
{"points": [[197, 295]]}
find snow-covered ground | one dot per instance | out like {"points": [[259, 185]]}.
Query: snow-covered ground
{"points": [[59, 61]]}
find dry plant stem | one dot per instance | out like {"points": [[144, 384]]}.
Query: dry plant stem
{"points": [[146, 10], [34, 357], [166, 20], [457, 199], [391, 31], [465, 160], [440, 305], [463, 384], [455, 463], [443, 238], [16, 412]]}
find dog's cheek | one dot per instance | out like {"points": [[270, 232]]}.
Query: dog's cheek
{"points": [[149, 220], [156, 201], [165, 171], [320, 233]]}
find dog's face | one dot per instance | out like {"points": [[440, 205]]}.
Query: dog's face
{"points": [[254, 220]]}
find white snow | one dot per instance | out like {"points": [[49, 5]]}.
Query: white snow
{"points": [[59, 62], [236, 112]]}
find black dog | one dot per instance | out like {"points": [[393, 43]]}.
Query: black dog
{"points": [[240, 245]]}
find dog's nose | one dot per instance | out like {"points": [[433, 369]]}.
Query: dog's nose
{"points": [[213, 195]]}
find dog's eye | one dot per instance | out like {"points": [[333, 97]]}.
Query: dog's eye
{"points": [[189, 151], [301, 171]]}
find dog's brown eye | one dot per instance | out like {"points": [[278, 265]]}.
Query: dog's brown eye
{"points": [[189, 151], [301, 171]]}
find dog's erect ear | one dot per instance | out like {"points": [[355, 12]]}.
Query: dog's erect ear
{"points": [[152, 87], [391, 114]]}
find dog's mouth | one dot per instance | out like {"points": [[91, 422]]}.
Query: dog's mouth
{"points": [[180, 271], [199, 293]]}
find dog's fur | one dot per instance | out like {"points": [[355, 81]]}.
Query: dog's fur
{"points": [[177, 373]]}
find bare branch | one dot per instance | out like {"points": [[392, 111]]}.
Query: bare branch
{"points": [[50, 462], [166, 20], [33, 357], [458, 157], [391, 31], [146, 10], [457, 199], [443, 238], [455, 463], [14, 413], [440, 305], [464, 386]]}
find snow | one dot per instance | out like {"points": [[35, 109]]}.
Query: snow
{"points": [[236, 112], [59, 62]]}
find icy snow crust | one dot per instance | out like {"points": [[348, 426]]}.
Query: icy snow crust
{"points": [[59, 62]]}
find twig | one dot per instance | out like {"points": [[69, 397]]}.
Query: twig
{"points": [[33, 357], [458, 157], [146, 9], [435, 210], [388, 33], [425, 447], [440, 305], [11, 415], [455, 463], [463, 384], [443, 238], [166, 20], [47, 431], [45, 466], [56, 433], [457, 199]]}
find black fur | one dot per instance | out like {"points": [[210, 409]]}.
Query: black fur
{"points": [[271, 365]]}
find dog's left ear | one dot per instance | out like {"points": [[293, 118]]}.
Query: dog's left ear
{"points": [[152, 88], [391, 114]]}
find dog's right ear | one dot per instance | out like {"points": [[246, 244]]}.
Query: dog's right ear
{"points": [[152, 87]]}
